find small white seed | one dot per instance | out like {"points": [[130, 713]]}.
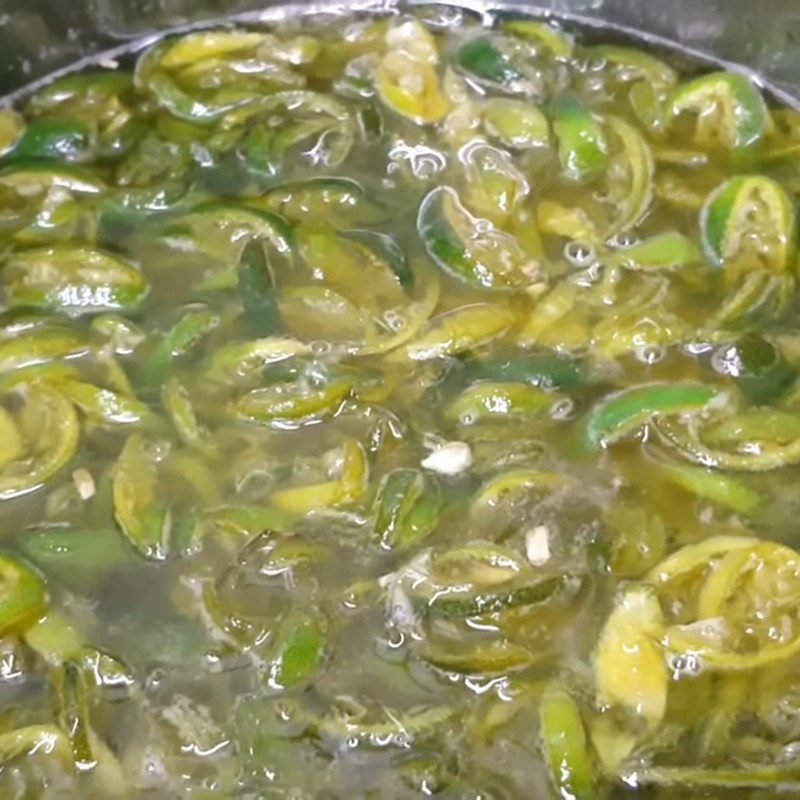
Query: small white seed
{"points": [[451, 458]]}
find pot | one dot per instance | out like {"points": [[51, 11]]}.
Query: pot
{"points": [[38, 37]]}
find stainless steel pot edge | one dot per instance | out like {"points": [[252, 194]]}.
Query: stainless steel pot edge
{"points": [[487, 11]]}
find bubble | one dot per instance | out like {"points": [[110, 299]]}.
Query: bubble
{"points": [[596, 64], [350, 602], [685, 665], [624, 240], [153, 765], [425, 162], [594, 85], [467, 419], [154, 680], [697, 348], [394, 321], [579, 254], [392, 648], [650, 354], [321, 348], [352, 742], [563, 409]]}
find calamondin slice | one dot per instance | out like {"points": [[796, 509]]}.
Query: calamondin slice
{"points": [[750, 222], [471, 249]]}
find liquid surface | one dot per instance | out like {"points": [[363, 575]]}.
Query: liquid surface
{"points": [[393, 407]]}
